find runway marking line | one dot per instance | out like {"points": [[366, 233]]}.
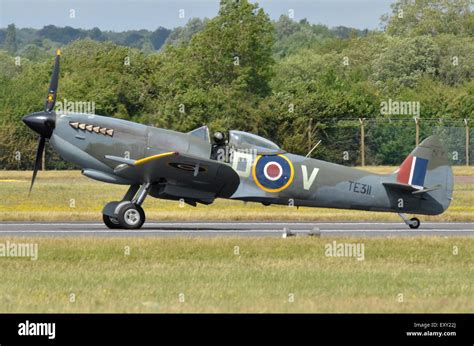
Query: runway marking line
{"points": [[233, 223], [239, 231]]}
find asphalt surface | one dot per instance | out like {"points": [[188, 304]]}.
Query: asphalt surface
{"points": [[258, 229]]}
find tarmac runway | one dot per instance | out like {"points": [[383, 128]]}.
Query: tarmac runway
{"points": [[237, 229]]}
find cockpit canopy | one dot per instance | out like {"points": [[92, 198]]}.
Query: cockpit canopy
{"points": [[239, 140], [244, 140], [201, 132]]}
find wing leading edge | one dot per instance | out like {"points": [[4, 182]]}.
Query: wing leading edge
{"points": [[181, 172]]}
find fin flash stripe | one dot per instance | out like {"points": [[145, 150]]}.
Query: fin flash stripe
{"points": [[413, 171]]}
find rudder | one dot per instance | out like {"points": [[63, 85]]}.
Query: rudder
{"points": [[427, 169]]}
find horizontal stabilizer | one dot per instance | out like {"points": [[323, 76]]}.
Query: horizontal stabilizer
{"points": [[400, 186], [410, 188], [433, 188]]}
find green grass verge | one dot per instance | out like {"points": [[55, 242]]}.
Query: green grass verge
{"points": [[67, 195], [262, 278]]}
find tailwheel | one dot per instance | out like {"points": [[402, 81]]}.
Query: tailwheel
{"points": [[414, 223], [131, 216], [111, 222]]}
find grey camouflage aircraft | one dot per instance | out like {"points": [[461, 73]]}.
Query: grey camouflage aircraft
{"points": [[194, 168]]}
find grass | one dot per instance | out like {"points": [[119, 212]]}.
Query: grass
{"points": [[211, 278], [67, 195], [206, 271]]}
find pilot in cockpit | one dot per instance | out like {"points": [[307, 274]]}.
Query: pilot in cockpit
{"points": [[219, 146]]}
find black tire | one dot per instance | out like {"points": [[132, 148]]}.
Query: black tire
{"points": [[111, 222], [415, 223], [131, 216]]}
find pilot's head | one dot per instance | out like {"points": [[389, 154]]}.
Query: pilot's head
{"points": [[219, 137]]}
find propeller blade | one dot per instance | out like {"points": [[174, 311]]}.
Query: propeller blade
{"points": [[53, 85], [39, 154]]}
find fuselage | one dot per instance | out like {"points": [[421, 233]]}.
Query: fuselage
{"points": [[284, 179]]}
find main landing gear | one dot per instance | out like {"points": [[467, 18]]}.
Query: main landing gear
{"points": [[128, 213], [413, 223]]}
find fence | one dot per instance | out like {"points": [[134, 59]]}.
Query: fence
{"points": [[363, 141]]}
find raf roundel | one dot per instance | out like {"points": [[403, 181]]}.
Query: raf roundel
{"points": [[273, 173]]}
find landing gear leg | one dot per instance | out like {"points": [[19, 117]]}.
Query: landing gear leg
{"points": [[128, 213], [413, 223], [142, 193]]}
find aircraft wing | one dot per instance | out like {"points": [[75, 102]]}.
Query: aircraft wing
{"points": [[210, 177]]}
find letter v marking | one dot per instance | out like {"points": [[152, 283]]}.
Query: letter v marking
{"points": [[308, 182]]}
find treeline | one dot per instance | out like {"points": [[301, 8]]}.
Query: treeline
{"points": [[35, 44], [292, 82]]}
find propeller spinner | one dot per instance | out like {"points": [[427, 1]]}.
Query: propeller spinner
{"points": [[44, 122]]}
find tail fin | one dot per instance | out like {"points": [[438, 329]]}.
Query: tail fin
{"points": [[427, 173]]}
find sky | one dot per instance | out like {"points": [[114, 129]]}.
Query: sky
{"points": [[121, 15]]}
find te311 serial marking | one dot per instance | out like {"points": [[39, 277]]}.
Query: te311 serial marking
{"points": [[363, 189]]}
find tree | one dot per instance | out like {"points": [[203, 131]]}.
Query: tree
{"points": [[61, 35], [96, 34], [429, 17], [219, 77], [34, 53], [97, 72], [292, 36], [183, 34], [159, 36], [10, 39], [3, 34], [404, 61], [456, 65], [235, 48], [133, 39]]}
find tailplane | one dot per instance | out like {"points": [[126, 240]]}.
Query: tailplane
{"points": [[425, 174]]}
